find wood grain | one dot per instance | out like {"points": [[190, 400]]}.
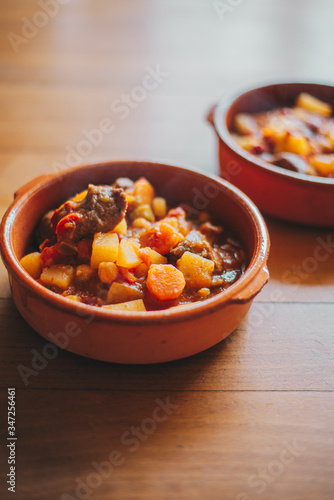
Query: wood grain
{"points": [[210, 445], [269, 351], [267, 389]]}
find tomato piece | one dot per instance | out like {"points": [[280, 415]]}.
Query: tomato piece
{"points": [[51, 255], [66, 226]]}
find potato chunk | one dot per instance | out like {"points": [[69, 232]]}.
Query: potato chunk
{"points": [[143, 212], [249, 142], [121, 228], [105, 248], [197, 270], [245, 124], [297, 144], [141, 223], [32, 263], [122, 292], [83, 273], [323, 163], [128, 255], [150, 256], [277, 137], [311, 103], [132, 305], [58, 275]]}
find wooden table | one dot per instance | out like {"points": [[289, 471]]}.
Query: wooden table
{"points": [[250, 418]]}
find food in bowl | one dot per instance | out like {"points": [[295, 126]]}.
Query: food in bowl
{"points": [[298, 138], [124, 336], [121, 247]]}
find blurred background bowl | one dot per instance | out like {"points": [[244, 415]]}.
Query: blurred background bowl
{"points": [[278, 192]]}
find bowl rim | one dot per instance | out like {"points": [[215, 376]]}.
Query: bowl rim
{"points": [[256, 269], [219, 121]]}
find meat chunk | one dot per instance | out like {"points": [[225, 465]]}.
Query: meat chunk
{"points": [[100, 211], [194, 242], [210, 231], [291, 161], [44, 229]]}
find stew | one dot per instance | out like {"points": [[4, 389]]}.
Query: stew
{"points": [[300, 139], [120, 247]]}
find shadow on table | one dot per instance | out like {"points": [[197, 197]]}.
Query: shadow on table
{"points": [[26, 366], [301, 258]]}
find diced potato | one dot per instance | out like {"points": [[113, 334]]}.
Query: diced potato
{"points": [[83, 273], [311, 103], [128, 255], [132, 305], [33, 264], [248, 142], [58, 275], [197, 270], [277, 137], [150, 256], [130, 200], [143, 192], [121, 228], [297, 144], [80, 196], [73, 297], [142, 270], [105, 248], [122, 292], [108, 272], [144, 212], [141, 223], [324, 164], [203, 292], [245, 124], [159, 207]]}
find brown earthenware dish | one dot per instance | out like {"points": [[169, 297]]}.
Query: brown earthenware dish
{"points": [[276, 191], [134, 337]]}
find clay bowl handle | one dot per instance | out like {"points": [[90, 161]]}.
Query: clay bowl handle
{"points": [[210, 115], [31, 184], [255, 287]]}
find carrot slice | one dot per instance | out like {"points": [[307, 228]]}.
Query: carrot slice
{"points": [[165, 282]]}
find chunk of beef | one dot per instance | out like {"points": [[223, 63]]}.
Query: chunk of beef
{"points": [[44, 229], [210, 231], [100, 211], [194, 242], [290, 161]]}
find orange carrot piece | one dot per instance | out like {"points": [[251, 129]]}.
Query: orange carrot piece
{"points": [[143, 191], [165, 282]]}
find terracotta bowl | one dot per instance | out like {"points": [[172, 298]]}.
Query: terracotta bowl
{"points": [[134, 337], [284, 194]]}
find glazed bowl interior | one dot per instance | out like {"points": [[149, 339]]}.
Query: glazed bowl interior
{"points": [[264, 99], [178, 185]]}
